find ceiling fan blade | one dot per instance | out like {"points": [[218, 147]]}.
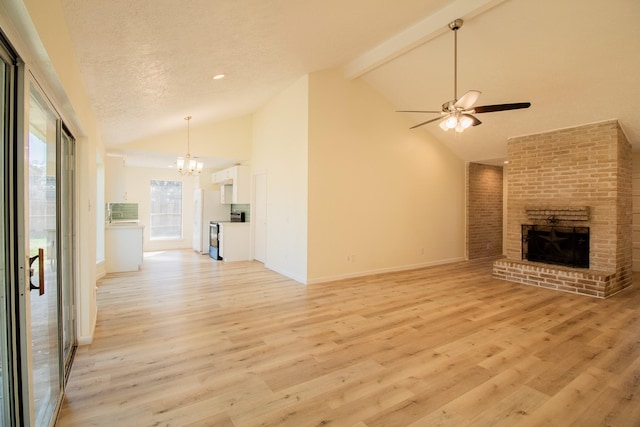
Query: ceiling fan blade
{"points": [[417, 111], [424, 123], [468, 99], [475, 120], [501, 107]]}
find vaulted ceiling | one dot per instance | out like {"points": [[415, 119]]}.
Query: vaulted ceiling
{"points": [[149, 63]]}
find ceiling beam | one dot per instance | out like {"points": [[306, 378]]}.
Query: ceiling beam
{"points": [[419, 33]]}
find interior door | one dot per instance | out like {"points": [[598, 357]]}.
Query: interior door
{"points": [[43, 219]]}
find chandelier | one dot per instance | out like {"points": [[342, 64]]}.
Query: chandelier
{"points": [[193, 167]]}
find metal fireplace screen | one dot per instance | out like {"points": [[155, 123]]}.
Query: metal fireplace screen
{"points": [[550, 244]]}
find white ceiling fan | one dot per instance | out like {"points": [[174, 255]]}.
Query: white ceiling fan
{"points": [[458, 113]]}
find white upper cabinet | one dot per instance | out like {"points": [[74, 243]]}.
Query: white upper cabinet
{"points": [[235, 184], [223, 176]]}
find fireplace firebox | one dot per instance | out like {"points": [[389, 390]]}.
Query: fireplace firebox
{"points": [[559, 245]]}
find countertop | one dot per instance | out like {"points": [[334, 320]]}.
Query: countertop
{"points": [[124, 224]]}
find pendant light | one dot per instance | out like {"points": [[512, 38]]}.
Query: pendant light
{"points": [[193, 167]]}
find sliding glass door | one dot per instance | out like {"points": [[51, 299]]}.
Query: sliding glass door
{"points": [[43, 256], [51, 213], [37, 241]]}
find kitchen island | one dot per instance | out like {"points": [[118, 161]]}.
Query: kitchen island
{"points": [[235, 238], [123, 246]]}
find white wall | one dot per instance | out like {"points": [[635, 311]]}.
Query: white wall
{"points": [[381, 197], [280, 151]]}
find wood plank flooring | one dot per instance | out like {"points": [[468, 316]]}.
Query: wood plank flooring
{"points": [[191, 342]]}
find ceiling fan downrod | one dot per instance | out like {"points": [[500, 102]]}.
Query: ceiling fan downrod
{"points": [[455, 26]]}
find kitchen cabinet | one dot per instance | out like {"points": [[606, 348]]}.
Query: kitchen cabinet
{"points": [[235, 184], [226, 194], [123, 247], [234, 240], [220, 176]]}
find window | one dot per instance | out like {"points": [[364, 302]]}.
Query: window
{"points": [[166, 210]]}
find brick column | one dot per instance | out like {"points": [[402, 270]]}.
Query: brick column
{"points": [[583, 166]]}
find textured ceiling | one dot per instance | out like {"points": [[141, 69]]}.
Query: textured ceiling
{"points": [[149, 63]]}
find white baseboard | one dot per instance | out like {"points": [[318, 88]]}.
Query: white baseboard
{"points": [[100, 270], [88, 339], [383, 270]]}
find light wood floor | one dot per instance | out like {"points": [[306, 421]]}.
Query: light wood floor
{"points": [[191, 342]]}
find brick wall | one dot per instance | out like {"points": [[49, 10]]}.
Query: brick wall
{"points": [[624, 204], [636, 211], [583, 166], [484, 210]]}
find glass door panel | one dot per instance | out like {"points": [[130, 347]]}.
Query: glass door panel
{"points": [[67, 202], [43, 240], [6, 397]]}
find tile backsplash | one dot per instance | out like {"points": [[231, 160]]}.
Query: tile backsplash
{"points": [[243, 208], [121, 211]]}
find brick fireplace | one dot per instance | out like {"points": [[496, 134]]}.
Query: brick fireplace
{"points": [[577, 177]]}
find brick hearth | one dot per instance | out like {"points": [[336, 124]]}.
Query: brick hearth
{"points": [[587, 168]]}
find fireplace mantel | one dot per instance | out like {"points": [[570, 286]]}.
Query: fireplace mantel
{"points": [[568, 213]]}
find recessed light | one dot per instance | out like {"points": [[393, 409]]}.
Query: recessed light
{"points": [[506, 162], [218, 76]]}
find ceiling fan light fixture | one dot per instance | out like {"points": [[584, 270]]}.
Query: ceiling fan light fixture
{"points": [[465, 122], [451, 122]]}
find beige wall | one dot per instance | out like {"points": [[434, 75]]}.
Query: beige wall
{"points": [[381, 197], [227, 139], [280, 151]]}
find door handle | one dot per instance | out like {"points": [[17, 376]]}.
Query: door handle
{"points": [[40, 258]]}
